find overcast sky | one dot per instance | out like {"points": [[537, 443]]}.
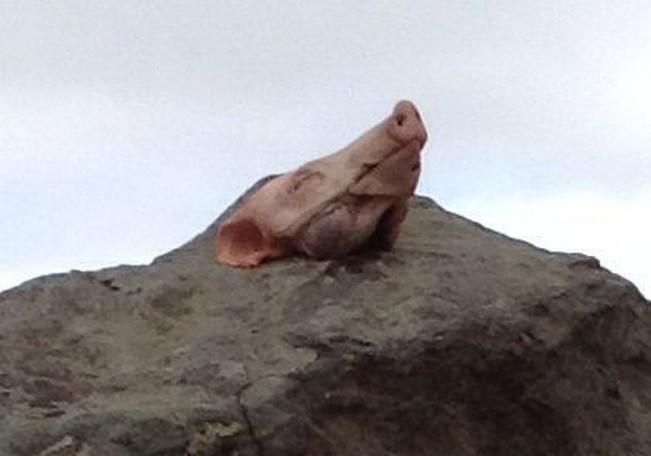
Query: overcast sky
{"points": [[126, 127]]}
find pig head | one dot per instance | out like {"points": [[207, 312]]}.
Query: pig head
{"points": [[352, 199]]}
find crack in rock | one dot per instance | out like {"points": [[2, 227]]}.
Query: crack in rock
{"points": [[247, 420]]}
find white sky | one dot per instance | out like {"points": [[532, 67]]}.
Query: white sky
{"points": [[126, 127]]}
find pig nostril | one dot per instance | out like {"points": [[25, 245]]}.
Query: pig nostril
{"points": [[400, 119], [415, 167]]}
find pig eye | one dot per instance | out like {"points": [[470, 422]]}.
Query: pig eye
{"points": [[305, 177]]}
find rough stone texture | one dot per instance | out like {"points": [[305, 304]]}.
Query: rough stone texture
{"points": [[460, 341]]}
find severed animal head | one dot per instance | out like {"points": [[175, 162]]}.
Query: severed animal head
{"points": [[352, 199]]}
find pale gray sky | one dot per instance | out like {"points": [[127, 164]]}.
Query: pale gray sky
{"points": [[126, 127]]}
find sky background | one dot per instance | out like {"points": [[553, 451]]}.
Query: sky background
{"points": [[127, 127]]}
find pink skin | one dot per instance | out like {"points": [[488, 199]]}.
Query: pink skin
{"points": [[332, 206], [406, 125]]}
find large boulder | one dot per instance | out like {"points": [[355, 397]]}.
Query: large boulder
{"points": [[460, 341]]}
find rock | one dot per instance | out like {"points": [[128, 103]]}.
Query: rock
{"points": [[460, 341]]}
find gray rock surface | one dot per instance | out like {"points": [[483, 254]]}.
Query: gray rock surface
{"points": [[460, 341]]}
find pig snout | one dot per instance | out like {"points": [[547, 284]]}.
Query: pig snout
{"points": [[405, 124]]}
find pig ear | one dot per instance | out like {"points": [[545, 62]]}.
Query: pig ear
{"points": [[241, 243]]}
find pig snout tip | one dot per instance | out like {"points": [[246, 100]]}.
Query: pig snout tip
{"points": [[406, 124]]}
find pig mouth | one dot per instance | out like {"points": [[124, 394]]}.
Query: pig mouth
{"points": [[402, 162], [409, 150]]}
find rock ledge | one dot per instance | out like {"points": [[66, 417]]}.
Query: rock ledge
{"points": [[460, 341]]}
